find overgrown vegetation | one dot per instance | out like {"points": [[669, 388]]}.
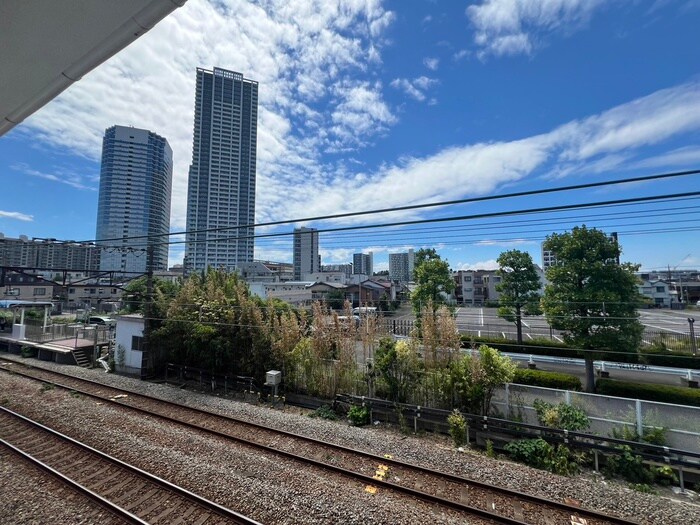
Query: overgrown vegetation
{"points": [[652, 435], [562, 416], [358, 416], [28, 351], [324, 412], [539, 454], [458, 428]]}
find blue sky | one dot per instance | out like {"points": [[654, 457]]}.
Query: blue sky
{"points": [[370, 104]]}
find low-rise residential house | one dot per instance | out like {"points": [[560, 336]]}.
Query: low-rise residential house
{"points": [[658, 293], [366, 293], [101, 297], [478, 287], [292, 292], [23, 287], [320, 290]]}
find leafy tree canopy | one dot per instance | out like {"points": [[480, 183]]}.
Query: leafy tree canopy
{"points": [[519, 287], [433, 280], [591, 296]]}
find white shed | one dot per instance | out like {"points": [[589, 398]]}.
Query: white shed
{"points": [[128, 355]]}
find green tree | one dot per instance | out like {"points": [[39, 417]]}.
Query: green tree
{"points": [[335, 299], [591, 296], [519, 287], [398, 364], [164, 291], [214, 323], [469, 382], [433, 280]]}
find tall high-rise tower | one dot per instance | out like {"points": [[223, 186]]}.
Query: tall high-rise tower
{"points": [[135, 186], [306, 257], [221, 187]]}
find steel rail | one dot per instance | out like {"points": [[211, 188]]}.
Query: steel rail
{"points": [[102, 502], [220, 510], [616, 520]]}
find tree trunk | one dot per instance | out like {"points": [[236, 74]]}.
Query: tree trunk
{"points": [[519, 327], [590, 375]]}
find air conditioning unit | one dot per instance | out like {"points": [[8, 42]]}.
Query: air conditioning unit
{"points": [[273, 377]]}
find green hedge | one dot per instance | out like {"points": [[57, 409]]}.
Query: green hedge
{"points": [[664, 393], [535, 347], [659, 356], [525, 376]]}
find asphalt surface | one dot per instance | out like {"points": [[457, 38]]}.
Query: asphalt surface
{"points": [[485, 322]]}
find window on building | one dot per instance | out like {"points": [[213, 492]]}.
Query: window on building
{"points": [[467, 278], [39, 291], [136, 343], [660, 289]]}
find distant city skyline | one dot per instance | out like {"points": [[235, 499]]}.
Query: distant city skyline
{"points": [[397, 103]]}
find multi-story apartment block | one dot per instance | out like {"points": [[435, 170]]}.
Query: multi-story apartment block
{"points": [[133, 210], [362, 263], [48, 254], [401, 266], [477, 287], [221, 185], [306, 257]]}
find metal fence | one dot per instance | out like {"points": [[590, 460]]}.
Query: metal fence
{"points": [[607, 414], [57, 332]]}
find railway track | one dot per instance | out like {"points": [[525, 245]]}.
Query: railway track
{"points": [[476, 498], [127, 492]]}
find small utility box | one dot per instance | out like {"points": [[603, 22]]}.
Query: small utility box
{"points": [[273, 378]]}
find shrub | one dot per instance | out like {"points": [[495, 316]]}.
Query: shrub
{"points": [[358, 416], [561, 416], [458, 428], [652, 435], [628, 466], [540, 454], [28, 351], [324, 412], [663, 393], [664, 475], [524, 376], [489, 449]]}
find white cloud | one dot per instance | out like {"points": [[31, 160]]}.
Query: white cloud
{"points": [[415, 88], [504, 244], [61, 176], [513, 27], [686, 156], [459, 55], [16, 215], [319, 93], [490, 264], [431, 63], [313, 62]]}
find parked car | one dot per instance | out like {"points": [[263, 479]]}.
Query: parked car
{"points": [[101, 320]]}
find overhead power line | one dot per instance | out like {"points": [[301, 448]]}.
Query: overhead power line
{"points": [[486, 198]]}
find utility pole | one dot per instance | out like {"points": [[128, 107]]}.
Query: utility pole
{"points": [[147, 314]]}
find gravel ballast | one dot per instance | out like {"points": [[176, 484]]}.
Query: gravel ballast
{"points": [[273, 490]]}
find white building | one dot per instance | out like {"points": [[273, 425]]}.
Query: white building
{"points": [[658, 293], [128, 345]]}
